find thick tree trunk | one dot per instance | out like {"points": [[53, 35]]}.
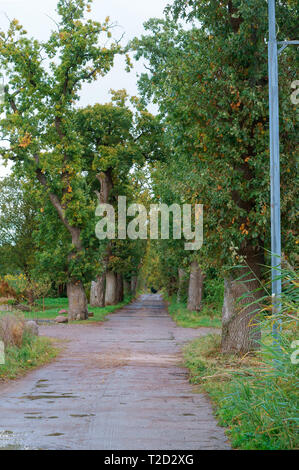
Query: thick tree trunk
{"points": [[106, 294], [133, 285], [97, 292], [119, 288], [195, 290], [182, 285], [110, 295], [240, 326], [77, 301], [93, 294]]}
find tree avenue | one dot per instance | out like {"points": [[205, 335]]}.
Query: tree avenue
{"points": [[208, 144], [161, 218]]}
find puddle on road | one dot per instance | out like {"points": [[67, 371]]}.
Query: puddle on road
{"points": [[33, 417], [55, 434], [42, 383], [46, 396]]}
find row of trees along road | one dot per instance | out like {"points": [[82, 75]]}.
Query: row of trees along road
{"points": [[209, 144], [67, 154], [209, 78]]}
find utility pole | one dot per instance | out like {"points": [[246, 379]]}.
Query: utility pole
{"points": [[274, 164], [273, 54]]}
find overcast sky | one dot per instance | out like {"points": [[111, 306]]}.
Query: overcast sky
{"points": [[128, 14]]}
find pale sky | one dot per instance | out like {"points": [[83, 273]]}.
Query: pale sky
{"points": [[128, 14]]}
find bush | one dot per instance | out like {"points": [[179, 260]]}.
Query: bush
{"points": [[11, 330], [22, 288], [7, 291]]}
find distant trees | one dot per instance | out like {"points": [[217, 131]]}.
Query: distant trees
{"points": [[18, 211], [117, 140]]}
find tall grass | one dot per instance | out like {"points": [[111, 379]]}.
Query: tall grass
{"points": [[257, 395], [266, 404]]}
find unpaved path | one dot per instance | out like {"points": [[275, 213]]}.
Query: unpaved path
{"points": [[119, 385]]}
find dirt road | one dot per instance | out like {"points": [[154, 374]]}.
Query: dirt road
{"points": [[118, 385]]}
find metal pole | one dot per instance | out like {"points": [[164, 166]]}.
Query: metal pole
{"points": [[275, 165]]}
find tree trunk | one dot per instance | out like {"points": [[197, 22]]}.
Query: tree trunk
{"points": [[97, 292], [110, 295], [105, 179], [195, 290], [105, 290], [77, 301], [119, 288], [240, 326], [182, 285], [133, 285]]}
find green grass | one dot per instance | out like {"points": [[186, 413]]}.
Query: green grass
{"points": [[257, 402], [100, 313], [53, 305], [35, 351], [208, 317]]}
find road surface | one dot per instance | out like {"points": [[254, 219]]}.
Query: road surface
{"points": [[116, 386]]}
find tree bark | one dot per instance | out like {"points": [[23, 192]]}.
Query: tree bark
{"points": [[119, 288], [195, 290], [110, 295], [97, 292], [77, 301], [106, 184], [240, 325]]}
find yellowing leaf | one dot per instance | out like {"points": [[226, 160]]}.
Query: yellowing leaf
{"points": [[25, 140]]}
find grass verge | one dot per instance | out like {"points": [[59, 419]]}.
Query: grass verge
{"points": [[255, 397], [48, 309], [183, 317], [100, 313], [34, 352]]}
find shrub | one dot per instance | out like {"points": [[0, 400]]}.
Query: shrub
{"points": [[11, 330], [7, 291]]}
